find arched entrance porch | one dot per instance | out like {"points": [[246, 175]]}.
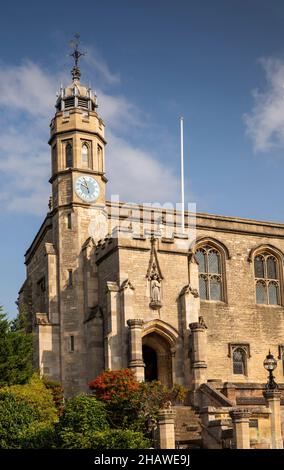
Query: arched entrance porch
{"points": [[158, 345]]}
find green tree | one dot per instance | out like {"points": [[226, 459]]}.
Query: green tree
{"points": [[15, 350]]}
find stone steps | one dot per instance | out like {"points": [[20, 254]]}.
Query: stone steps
{"points": [[187, 428]]}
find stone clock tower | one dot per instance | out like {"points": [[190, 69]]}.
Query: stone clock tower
{"points": [[78, 198], [77, 147]]}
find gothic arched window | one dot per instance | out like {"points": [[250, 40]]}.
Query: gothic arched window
{"points": [[239, 361], [266, 272], [68, 155], [210, 273], [85, 156]]}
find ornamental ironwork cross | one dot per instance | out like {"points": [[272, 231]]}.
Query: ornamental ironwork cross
{"points": [[76, 54]]}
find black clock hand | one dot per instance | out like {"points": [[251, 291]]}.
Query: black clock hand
{"points": [[86, 185]]}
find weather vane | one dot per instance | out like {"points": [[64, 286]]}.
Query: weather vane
{"points": [[76, 54]]}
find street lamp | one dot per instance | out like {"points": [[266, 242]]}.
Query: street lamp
{"points": [[270, 364]]}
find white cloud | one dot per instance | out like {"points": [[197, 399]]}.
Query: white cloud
{"points": [[99, 67], [28, 88], [265, 123], [136, 176], [118, 112], [27, 97]]}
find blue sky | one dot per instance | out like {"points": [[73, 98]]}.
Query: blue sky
{"points": [[218, 63]]}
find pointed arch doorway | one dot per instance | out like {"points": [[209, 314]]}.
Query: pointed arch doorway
{"points": [[157, 358]]}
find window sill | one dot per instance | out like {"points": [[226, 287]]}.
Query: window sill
{"points": [[268, 306], [216, 302]]}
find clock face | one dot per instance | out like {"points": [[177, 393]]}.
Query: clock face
{"points": [[87, 188]]}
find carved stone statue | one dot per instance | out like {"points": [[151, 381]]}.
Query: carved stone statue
{"points": [[155, 292], [155, 289], [155, 278]]}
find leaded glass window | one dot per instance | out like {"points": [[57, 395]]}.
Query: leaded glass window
{"points": [[215, 288], [266, 279], [273, 293], [200, 257], [203, 287], [260, 292], [271, 268], [210, 275], [239, 361], [85, 155], [259, 267], [68, 155]]}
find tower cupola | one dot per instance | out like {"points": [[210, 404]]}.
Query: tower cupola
{"points": [[76, 95]]}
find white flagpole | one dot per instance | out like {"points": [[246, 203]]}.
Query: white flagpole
{"points": [[182, 174]]}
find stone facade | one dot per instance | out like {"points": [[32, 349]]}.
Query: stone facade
{"points": [[113, 285]]}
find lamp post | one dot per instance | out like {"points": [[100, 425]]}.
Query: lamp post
{"points": [[270, 364]]}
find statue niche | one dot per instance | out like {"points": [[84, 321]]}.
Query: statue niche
{"points": [[155, 288], [155, 279]]}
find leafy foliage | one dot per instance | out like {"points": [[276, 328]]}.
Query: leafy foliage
{"points": [[108, 439], [57, 393], [15, 418], [113, 386], [116, 389], [39, 436], [149, 399], [38, 396], [133, 404], [83, 413], [15, 351], [120, 439]]}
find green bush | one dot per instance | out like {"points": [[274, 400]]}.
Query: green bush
{"points": [[83, 414], [68, 439], [15, 418], [39, 436], [108, 439], [37, 396], [119, 439]]}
